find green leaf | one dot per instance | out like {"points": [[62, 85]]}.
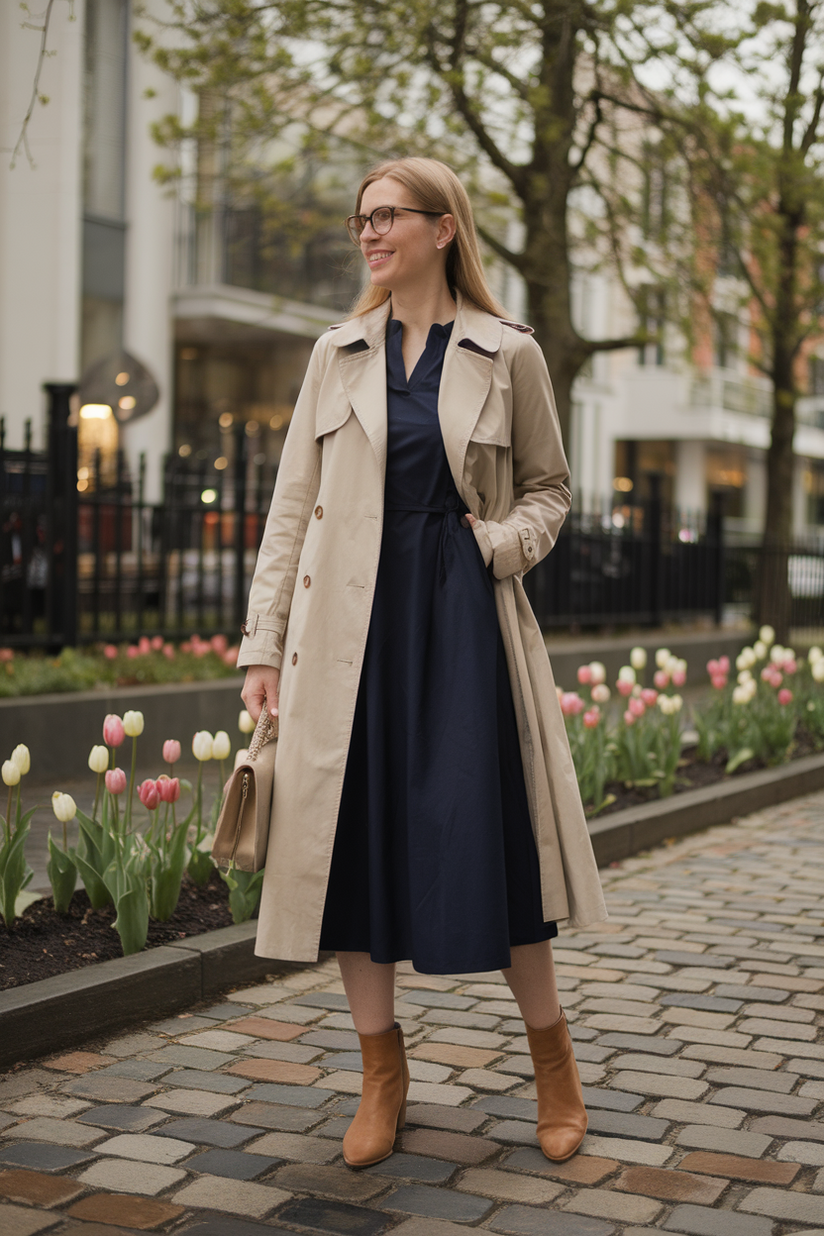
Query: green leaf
{"points": [[740, 757], [62, 873], [132, 922], [24, 900]]}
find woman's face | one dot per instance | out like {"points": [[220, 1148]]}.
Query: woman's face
{"points": [[414, 249]]}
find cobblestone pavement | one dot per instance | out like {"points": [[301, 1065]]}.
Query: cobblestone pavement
{"points": [[696, 1013]]}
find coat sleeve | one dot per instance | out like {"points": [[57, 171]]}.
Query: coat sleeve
{"points": [[540, 471], [296, 490]]}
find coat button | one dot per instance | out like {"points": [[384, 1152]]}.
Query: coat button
{"points": [[306, 581], [318, 512], [294, 658]]}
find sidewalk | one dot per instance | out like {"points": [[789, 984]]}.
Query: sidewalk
{"points": [[696, 1011]]}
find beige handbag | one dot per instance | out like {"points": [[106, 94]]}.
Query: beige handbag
{"points": [[242, 829]]}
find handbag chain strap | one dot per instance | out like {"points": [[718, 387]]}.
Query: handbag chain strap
{"points": [[266, 730]]}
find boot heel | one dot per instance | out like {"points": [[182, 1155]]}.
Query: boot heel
{"points": [[402, 1116]]}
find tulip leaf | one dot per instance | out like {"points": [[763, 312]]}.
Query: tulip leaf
{"points": [[62, 873], [738, 759], [132, 922], [244, 892]]}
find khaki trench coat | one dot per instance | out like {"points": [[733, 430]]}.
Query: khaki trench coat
{"points": [[311, 597]]}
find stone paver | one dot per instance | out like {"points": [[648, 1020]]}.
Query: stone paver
{"points": [[696, 1013]]}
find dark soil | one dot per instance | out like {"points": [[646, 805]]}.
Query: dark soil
{"points": [[693, 775], [42, 943]]}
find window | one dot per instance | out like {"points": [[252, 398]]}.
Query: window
{"points": [[725, 340], [815, 375], [651, 320]]}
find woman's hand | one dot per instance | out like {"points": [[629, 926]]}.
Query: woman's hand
{"points": [[469, 521], [261, 684]]}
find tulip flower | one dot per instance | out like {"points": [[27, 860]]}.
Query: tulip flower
{"points": [[219, 644], [785, 696], [746, 659], [132, 652], [817, 670], [766, 635], [144, 645], [760, 649], [624, 686], [133, 723], [168, 788], [113, 731], [627, 674], [571, 704], [231, 655], [171, 751], [115, 781], [221, 745], [637, 707], [591, 718], [638, 658], [719, 681], [649, 696], [63, 806], [815, 654], [148, 794], [661, 679], [584, 675], [790, 665], [169, 652], [598, 671], [10, 773], [202, 744], [600, 693], [662, 655], [22, 758], [629, 719], [245, 723], [110, 652], [724, 664], [99, 759], [157, 643]]}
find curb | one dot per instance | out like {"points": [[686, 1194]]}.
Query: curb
{"points": [[56, 1013]]}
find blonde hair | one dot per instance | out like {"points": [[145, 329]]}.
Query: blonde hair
{"points": [[435, 187]]}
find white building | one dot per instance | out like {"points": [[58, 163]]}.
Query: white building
{"points": [[95, 255]]}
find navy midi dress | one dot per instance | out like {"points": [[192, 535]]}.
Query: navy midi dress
{"points": [[434, 858]]}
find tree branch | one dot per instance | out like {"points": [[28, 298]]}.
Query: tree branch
{"points": [[23, 137], [514, 259]]}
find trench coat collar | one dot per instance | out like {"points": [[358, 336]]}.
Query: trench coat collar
{"points": [[465, 381]]}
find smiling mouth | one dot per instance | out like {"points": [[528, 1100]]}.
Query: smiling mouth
{"points": [[378, 256]]}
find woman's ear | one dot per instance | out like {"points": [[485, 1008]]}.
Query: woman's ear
{"points": [[445, 231]]}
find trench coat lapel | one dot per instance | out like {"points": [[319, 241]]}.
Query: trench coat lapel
{"points": [[465, 382], [361, 344]]}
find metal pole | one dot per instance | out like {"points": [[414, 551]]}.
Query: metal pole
{"points": [[62, 515], [239, 608]]}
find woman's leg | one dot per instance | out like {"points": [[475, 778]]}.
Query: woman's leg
{"points": [[562, 1117], [531, 978], [370, 990]]}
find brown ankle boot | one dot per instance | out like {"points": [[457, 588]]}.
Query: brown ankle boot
{"points": [[562, 1117], [382, 1110]]}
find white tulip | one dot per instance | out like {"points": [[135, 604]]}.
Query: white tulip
{"points": [[22, 758], [244, 722], [760, 649], [789, 654], [767, 635], [626, 674], [744, 676], [10, 773], [815, 654], [662, 655], [817, 670], [221, 746], [745, 659], [598, 671], [601, 692], [638, 658], [133, 723], [777, 654], [664, 703], [99, 759], [740, 695], [671, 666], [677, 703], [202, 744], [63, 806]]}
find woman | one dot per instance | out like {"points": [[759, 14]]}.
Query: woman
{"points": [[425, 803]]}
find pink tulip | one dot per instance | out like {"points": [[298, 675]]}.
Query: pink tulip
{"points": [[132, 651], [148, 794], [584, 675], [724, 664], [624, 686], [168, 788], [661, 679], [713, 668], [591, 718], [6, 654], [231, 655], [171, 751], [113, 731], [679, 678], [200, 648], [219, 644], [649, 696], [115, 781], [785, 696], [790, 666], [157, 643], [144, 645], [110, 652], [628, 718], [169, 652], [637, 707], [571, 704], [719, 681], [186, 646]]}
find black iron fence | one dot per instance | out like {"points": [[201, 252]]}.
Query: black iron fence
{"points": [[103, 563]]}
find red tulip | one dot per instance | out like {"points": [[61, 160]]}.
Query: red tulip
{"points": [[168, 788], [113, 731], [148, 794]]}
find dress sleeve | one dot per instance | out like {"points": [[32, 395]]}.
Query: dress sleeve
{"points": [[540, 470], [296, 489]]}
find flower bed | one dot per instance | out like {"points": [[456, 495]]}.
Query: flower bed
{"points": [[770, 711], [116, 665]]}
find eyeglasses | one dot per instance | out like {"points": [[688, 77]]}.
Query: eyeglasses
{"points": [[381, 218]]}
